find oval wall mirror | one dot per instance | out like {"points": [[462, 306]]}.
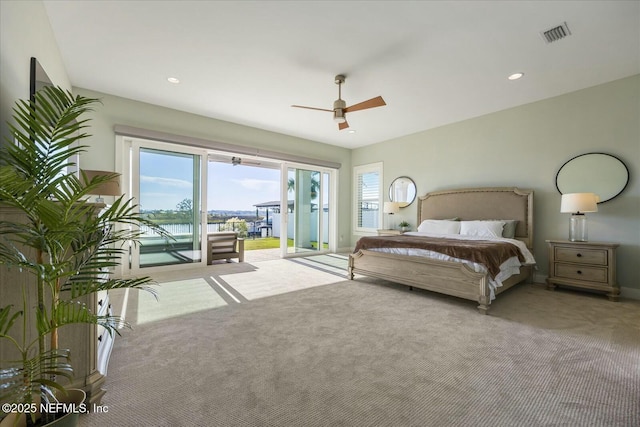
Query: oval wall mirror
{"points": [[403, 191], [599, 173]]}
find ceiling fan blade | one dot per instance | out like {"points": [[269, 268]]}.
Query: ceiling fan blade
{"points": [[371, 103], [312, 108], [343, 125]]}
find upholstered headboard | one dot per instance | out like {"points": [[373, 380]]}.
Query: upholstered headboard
{"points": [[482, 203]]}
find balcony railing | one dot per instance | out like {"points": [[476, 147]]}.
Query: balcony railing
{"points": [[176, 229]]}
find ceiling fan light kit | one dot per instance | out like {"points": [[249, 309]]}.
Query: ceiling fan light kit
{"points": [[340, 106], [338, 116]]}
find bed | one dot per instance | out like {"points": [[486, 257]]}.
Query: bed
{"points": [[452, 277]]}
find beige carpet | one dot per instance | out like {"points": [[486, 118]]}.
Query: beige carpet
{"points": [[180, 292], [371, 353]]}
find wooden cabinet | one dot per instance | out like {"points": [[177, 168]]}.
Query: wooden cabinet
{"points": [[80, 339], [587, 265], [105, 339]]}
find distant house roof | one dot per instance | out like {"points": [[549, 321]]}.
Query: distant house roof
{"points": [[274, 204]]}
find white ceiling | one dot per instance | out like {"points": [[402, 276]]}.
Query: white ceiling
{"points": [[434, 62]]}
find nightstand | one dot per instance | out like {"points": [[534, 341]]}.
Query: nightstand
{"points": [[390, 232], [588, 265]]}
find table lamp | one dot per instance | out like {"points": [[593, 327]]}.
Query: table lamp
{"points": [[110, 187], [577, 204], [391, 208]]}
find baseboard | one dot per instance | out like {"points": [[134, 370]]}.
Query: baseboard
{"points": [[631, 293], [539, 278]]}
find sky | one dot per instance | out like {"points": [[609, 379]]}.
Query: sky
{"points": [[240, 187], [166, 180]]}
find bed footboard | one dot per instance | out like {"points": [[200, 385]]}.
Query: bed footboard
{"points": [[449, 278]]}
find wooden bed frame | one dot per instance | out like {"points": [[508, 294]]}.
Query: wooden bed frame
{"points": [[454, 278]]}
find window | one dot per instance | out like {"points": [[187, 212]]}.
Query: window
{"points": [[368, 190]]}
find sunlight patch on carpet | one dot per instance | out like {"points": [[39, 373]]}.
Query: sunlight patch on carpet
{"points": [[331, 263], [277, 277], [176, 299]]}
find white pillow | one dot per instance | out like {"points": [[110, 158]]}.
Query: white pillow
{"points": [[439, 226], [482, 228]]}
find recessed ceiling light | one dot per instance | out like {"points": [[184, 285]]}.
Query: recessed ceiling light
{"points": [[352, 131], [173, 80], [516, 76]]}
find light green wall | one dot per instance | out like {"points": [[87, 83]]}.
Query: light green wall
{"points": [[25, 31], [525, 147]]}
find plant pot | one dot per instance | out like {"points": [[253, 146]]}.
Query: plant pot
{"points": [[73, 396]]}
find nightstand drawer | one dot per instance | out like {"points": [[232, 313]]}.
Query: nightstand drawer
{"points": [[588, 265], [581, 272], [582, 256]]}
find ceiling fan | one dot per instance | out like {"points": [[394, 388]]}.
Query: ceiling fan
{"points": [[340, 108], [234, 160]]}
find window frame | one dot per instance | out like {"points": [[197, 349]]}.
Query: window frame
{"points": [[358, 171]]}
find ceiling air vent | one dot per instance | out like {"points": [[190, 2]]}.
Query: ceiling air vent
{"points": [[556, 33]]}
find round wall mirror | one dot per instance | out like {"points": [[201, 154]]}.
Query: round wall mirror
{"points": [[403, 191], [599, 173]]}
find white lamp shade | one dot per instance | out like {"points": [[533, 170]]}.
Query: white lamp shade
{"points": [[579, 202], [391, 207], [110, 187]]}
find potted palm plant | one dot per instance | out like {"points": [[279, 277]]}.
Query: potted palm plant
{"points": [[404, 226], [63, 248]]}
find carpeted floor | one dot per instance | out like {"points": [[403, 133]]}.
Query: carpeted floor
{"points": [[372, 353]]}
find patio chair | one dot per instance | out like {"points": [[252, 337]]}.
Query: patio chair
{"points": [[224, 245]]}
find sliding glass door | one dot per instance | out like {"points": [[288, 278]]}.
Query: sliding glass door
{"points": [[168, 186], [308, 216]]}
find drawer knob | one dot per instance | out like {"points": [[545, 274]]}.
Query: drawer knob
{"points": [[579, 255], [579, 272]]}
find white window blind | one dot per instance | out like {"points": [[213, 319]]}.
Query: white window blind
{"points": [[368, 191], [219, 146]]}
